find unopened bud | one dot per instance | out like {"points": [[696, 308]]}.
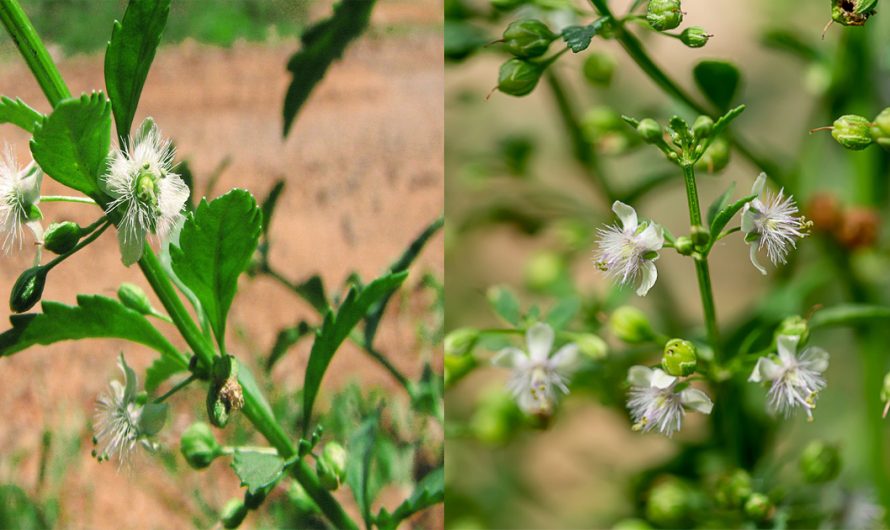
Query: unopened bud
{"points": [[702, 127], [733, 489], [331, 466], [199, 446], [61, 238], [461, 341], [134, 298], [684, 246], [695, 37], [27, 289], [758, 507], [663, 15], [679, 358], [528, 38], [700, 235], [715, 157], [591, 345], [820, 462], [795, 326], [631, 325], [880, 129], [650, 130], [852, 132], [518, 77], [669, 504], [233, 514], [599, 68], [544, 269]]}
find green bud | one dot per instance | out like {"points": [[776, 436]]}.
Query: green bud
{"points": [[669, 504], [758, 507], [153, 418], [852, 12], [702, 127], [518, 77], [591, 345], [599, 68], [607, 132], [715, 157], [199, 446], [233, 514], [852, 132], [528, 38], [694, 37], [461, 341], [134, 298], [796, 326], [733, 489], [663, 15], [880, 129], [650, 131], [631, 325], [684, 246], [224, 396], [27, 289], [331, 466], [61, 238], [544, 269], [679, 357], [700, 235], [820, 462]]}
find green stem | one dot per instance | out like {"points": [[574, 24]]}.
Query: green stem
{"points": [[83, 243], [176, 388], [62, 198]]}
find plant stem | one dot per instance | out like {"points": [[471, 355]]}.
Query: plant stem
{"points": [[83, 243], [176, 388], [62, 198]]}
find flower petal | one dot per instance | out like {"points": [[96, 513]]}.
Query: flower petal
{"points": [[627, 215], [787, 345], [565, 357], [748, 216], [651, 239], [754, 260], [816, 357], [766, 369], [539, 339], [132, 241], [647, 279], [696, 400], [640, 376], [759, 184], [510, 358], [661, 379]]}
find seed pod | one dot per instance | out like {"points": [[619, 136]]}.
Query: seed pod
{"points": [[233, 514], [880, 129], [820, 462], [663, 15], [715, 157], [199, 446], [650, 130], [60, 238], [631, 325], [528, 38], [331, 466], [679, 358], [684, 246], [852, 12], [700, 235], [758, 507], [669, 504], [599, 68], [852, 132], [733, 489], [518, 77], [224, 395], [28, 289], [134, 298], [702, 127], [694, 37]]}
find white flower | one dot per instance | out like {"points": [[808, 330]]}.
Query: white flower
{"points": [[655, 403], [628, 252], [121, 422], [19, 193], [796, 379], [771, 221], [149, 196], [537, 375]]}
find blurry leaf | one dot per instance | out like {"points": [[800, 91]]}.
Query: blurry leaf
{"points": [[286, 339], [578, 37], [720, 203], [336, 328], [791, 42], [322, 44], [462, 39], [130, 53], [216, 244], [401, 264], [429, 491], [269, 205], [358, 467], [93, 317], [71, 144], [505, 304], [257, 470], [848, 315], [725, 215], [19, 511], [160, 370], [312, 290], [718, 81], [723, 121], [647, 184], [17, 112], [563, 312]]}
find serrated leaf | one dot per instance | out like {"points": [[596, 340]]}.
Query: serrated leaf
{"points": [[725, 215], [505, 304], [216, 244], [160, 370], [429, 491], [129, 55], [257, 470], [358, 466], [323, 43], [71, 144], [578, 37], [17, 112], [848, 315], [720, 203], [93, 317], [336, 329], [723, 121], [718, 81]]}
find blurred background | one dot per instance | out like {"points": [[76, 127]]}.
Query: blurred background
{"points": [[523, 211], [363, 170]]}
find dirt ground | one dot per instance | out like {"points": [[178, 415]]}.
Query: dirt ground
{"points": [[364, 171]]}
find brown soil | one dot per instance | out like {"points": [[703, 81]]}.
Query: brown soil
{"points": [[364, 171]]}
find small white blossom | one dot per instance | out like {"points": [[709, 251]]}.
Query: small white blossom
{"points": [[771, 221], [537, 375], [19, 193], [149, 196], [628, 252], [796, 379], [655, 403]]}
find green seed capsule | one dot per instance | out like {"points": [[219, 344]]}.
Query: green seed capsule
{"points": [[528, 38], [880, 129], [518, 77], [134, 298], [852, 132], [820, 462], [591, 346], [224, 396], [733, 489], [715, 157], [684, 246], [694, 37], [61, 238], [27, 289], [702, 127], [679, 358], [631, 325], [670, 503], [650, 130], [852, 12], [199, 446], [758, 507], [599, 68], [663, 15], [331, 466]]}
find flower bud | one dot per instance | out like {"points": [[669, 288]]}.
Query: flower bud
{"points": [[859, 228], [880, 129], [663, 15], [700, 235], [591, 345], [733, 489], [233, 514], [461, 341], [606, 131], [852, 132], [669, 504], [694, 37], [758, 507], [631, 325], [852, 12], [599, 68], [684, 246], [528, 38], [27, 289], [134, 298], [518, 77], [715, 157], [224, 396], [60, 238], [679, 358], [820, 462], [544, 269], [650, 130], [702, 127], [199, 446], [331, 466], [796, 326]]}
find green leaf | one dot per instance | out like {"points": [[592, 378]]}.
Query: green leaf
{"points": [[257, 470], [215, 247], [269, 205], [718, 81], [160, 370], [725, 215], [322, 44], [848, 315], [336, 329], [17, 112], [578, 37], [723, 121], [71, 144], [462, 39], [312, 290], [128, 58], [720, 203], [286, 339], [93, 317], [505, 304], [429, 491], [563, 312], [358, 467]]}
